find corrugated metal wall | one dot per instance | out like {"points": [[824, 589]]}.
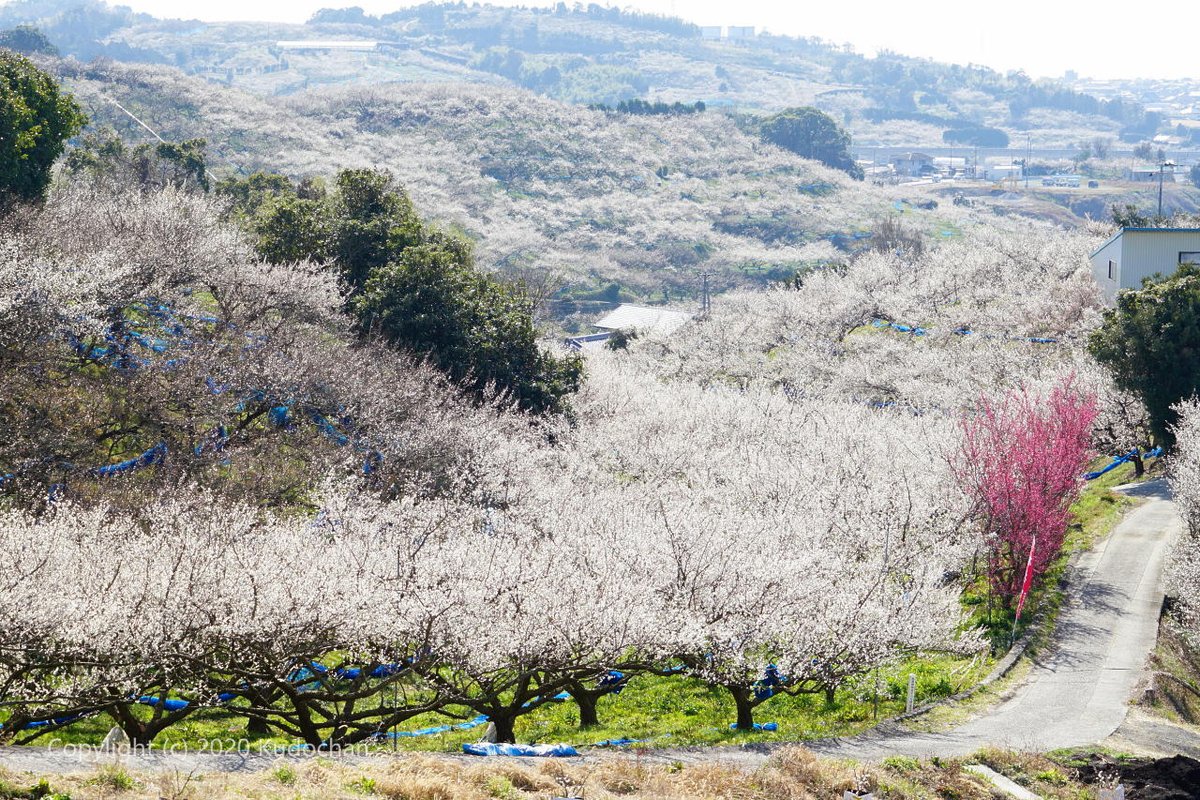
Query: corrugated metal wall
{"points": [[1146, 252], [1111, 251]]}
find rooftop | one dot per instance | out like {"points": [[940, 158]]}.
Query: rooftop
{"points": [[1123, 231], [656, 319], [326, 44]]}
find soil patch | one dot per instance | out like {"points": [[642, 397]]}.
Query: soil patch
{"points": [[1175, 778]]}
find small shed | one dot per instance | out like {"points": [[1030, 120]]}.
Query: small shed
{"points": [[1137, 253], [1001, 172]]}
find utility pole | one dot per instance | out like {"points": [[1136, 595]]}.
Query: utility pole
{"points": [[1161, 167], [704, 304], [1028, 155]]}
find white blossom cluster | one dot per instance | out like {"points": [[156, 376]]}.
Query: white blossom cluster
{"points": [[237, 337], [1183, 566], [687, 525], [997, 309]]}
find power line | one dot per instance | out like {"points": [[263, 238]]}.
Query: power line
{"points": [[135, 118]]}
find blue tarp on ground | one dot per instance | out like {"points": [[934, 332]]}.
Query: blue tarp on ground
{"points": [[436, 729], [765, 726], [537, 750]]}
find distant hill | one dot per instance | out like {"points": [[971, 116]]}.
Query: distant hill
{"points": [[483, 114], [600, 55], [621, 207]]}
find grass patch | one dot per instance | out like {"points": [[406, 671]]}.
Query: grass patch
{"points": [[1175, 672], [114, 778], [790, 774], [663, 710], [38, 791]]}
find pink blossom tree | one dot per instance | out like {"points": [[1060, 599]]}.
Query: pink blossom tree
{"points": [[1021, 460]]}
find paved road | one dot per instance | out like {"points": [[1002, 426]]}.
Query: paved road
{"points": [[1077, 693]]}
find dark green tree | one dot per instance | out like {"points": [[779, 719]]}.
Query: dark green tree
{"points": [[479, 330], [1129, 216], [1151, 344], [415, 286], [27, 40], [103, 154], [813, 134], [36, 119], [247, 195]]}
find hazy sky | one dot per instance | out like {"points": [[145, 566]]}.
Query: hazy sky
{"points": [[1044, 37]]}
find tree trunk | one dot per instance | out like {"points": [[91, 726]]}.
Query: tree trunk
{"points": [[1139, 468], [830, 693], [504, 729], [258, 727], [743, 698], [587, 709]]}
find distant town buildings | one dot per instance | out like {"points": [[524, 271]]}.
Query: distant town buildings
{"points": [[912, 165], [733, 33]]}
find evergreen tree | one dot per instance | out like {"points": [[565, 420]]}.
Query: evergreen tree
{"points": [[36, 119], [812, 134], [415, 286], [1151, 343]]}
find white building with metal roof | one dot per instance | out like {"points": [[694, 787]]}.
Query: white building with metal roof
{"points": [[1134, 254], [630, 317], [643, 319]]}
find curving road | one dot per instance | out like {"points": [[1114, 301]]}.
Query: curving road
{"points": [[1077, 693]]}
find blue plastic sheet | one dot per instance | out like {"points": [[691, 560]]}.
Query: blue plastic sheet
{"points": [[764, 688], [436, 729], [154, 455], [536, 750], [614, 681], [1119, 460], [167, 704], [765, 726], [279, 416]]}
